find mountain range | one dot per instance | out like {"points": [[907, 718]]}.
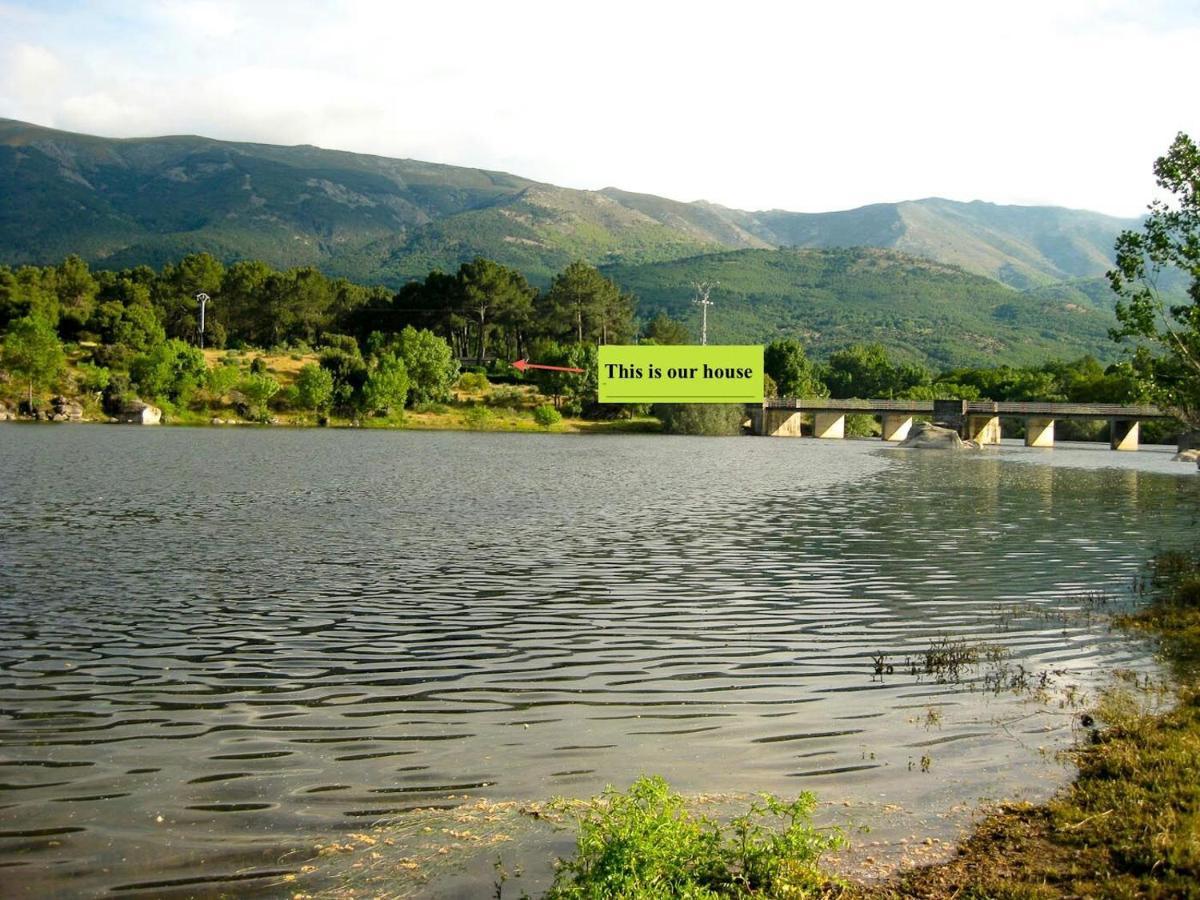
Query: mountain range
{"points": [[123, 202]]}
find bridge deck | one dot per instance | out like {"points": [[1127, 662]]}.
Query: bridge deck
{"points": [[974, 408]]}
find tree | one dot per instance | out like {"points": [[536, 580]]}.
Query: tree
{"points": [[170, 371], [33, 353], [259, 389], [492, 294], [386, 387], [430, 362], [665, 330], [1169, 243], [584, 305], [314, 387], [794, 375]]}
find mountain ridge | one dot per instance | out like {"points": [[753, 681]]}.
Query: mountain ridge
{"points": [[126, 201]]}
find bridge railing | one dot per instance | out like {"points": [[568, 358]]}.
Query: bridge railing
{"points": [[974, 407], [913, 406]]}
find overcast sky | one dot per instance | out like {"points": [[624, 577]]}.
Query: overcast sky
{"points": [[755, 105]]}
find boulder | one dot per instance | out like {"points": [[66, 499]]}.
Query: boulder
{"points": [[926, 436], [139, 413], [66, 410], [1188, 456]]}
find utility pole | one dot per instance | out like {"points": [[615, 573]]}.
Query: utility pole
{"points": [[702, 290], [202, 298]]}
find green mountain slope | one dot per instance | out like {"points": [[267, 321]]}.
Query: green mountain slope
{"points": [[148, 200], [921, 310]]}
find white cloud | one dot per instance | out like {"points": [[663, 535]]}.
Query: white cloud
{"points": [[755, 105]]}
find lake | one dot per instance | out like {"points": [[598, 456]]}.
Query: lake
{"points": [[221, 649]]}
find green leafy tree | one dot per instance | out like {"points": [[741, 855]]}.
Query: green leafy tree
{"points": [[794, 375], [258, 390], [171, 371], [386, 387], [33, 353], [1169, 241], [220, 380], [432, 368], [314, 387]]}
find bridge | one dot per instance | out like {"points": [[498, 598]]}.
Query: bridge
{"points": [[974, 420]]}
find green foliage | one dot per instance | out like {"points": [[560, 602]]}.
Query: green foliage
{"points": [[791, 372], [170, 371], [644, 843], [431, 365], [1169, 240], [477, 417], [258, 366], [662, 329], [91, 378], [583, 305], [492, 296], [921, 311], [314, 387], [32, 353], [713, 419], [387, 384], [220, 380], [473, 382], [546, 415], [865, 371]]}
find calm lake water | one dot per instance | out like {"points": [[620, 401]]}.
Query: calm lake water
{"points": [[222, 649]]}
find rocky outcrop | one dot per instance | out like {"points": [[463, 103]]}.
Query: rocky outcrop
{"points": [[927, 436], [139, 413], [5, 412], [64, 410]]}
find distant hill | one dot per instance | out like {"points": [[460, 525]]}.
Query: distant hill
{"points": [[921, 310], [375, 219]]}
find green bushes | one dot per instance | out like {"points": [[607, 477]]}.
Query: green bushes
{"points": [[700, 418], [546, 415], [644, 843]]}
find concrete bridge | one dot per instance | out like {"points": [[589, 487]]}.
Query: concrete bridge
{"points": [[975, 420]]}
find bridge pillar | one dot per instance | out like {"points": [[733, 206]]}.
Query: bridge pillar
{"points": [[1123, 434], [1039, 432], [829, 424], [983, 429], [896, 425], [781, 422]]}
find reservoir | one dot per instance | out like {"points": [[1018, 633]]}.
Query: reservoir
{"points": [[223, 649]]}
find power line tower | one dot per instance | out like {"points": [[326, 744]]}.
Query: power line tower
{"points": [[702, 291], [202, 298]]}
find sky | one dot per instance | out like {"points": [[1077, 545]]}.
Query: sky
{"points": [[755, 105]]}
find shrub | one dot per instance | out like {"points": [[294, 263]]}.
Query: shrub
{"points": [[473, 382], [477, 417], [645, 843], [701, 418], [546, 415]]}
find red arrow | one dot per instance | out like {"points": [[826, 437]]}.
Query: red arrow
{"points": [[521, 365]]}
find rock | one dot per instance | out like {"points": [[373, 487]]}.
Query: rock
{"points": [[926, 436], [139, 413], [66, 410], [1188, 456]]}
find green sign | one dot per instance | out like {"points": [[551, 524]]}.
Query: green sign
{"points": [[681, 373]]}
